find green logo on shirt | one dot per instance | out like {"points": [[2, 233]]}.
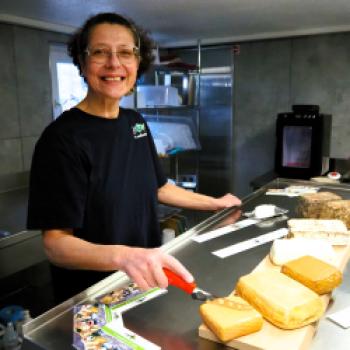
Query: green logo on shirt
{"points": [[139, 130]]}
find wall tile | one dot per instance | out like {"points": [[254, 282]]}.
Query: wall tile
{"points": [[34, 84], [261, 90], [28, 144], [320, 75], [8, 87], [10, 156]]}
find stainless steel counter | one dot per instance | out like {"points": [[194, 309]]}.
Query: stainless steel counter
{"points": [[172, 320], [19, 249], [13, 209]]}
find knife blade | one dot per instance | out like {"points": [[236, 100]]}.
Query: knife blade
{"points": [[190, 288]]}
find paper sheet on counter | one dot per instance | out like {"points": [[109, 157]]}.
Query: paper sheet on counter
{"points": [[250, 243], [224, 230]]}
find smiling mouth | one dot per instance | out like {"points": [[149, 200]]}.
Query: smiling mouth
{"points": [[113, 78]]}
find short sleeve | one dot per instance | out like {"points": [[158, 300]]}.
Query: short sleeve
{"points": [[58, 184]]}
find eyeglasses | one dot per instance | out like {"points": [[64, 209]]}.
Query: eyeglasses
{"points": [[101, 55]]}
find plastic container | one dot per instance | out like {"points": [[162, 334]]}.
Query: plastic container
{"points": [[168, 235], [25, 318], [10, 340], [173, 132], [2, 332], [4, 234], [153, 96], [11, 313]]}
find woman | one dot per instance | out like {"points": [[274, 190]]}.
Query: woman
{"points": [[95, 177]]}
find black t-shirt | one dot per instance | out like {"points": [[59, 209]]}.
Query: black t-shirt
{"points": [[99, 177]]}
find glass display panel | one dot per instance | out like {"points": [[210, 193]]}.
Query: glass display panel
{"points": [[297, 146]]}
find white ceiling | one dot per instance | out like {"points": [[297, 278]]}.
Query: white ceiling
{"points": [[183, 22]]}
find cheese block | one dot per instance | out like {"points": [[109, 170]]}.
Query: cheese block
{"points": [[311, 204], [230, 317], [334, 231], [264, 211], [283, 301], [315, 274], [284, 250], [337, 210]]}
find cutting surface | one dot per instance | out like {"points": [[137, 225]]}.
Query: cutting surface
{"points": [[274, 338], [172, 320]]}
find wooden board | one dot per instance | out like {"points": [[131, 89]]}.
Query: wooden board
{"points": [[271, 337]]}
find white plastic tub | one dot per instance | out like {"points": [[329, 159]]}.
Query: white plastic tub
{"points": [[152, 96]]}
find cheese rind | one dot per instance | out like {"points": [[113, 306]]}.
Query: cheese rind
{"points": [[229, 322], [337, 210], [313, 273], [311, 204], [332, 230], [284, 302], [330, 225]]}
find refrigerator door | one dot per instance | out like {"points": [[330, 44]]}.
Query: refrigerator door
{"points": [[215, 134]]}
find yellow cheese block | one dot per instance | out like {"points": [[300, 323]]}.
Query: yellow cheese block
{"points": [[230, 317], [283, 301], [314, 273]]}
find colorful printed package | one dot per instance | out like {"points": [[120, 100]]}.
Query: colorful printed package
{"points": [[100, 325]]}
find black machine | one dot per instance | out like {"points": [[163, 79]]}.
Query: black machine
{"points": [[303, 142]]}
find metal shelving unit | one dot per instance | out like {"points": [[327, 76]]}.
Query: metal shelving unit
{"points": [[187, 83]]}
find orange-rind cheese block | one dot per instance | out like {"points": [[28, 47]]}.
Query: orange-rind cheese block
{"points": [[313, 273], [230, 318]]}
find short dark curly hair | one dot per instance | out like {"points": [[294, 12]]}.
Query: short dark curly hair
{"points": [[80, 39]]}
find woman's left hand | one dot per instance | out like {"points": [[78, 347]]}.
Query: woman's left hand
{"points": [[227, 201], [178, 197]]}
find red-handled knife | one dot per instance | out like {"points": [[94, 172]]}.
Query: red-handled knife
{"points": [[190, 288]]}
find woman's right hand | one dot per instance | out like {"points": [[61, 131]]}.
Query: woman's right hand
{"points": [[145, 266]]}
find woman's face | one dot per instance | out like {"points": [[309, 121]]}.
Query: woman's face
{"points": [[108, 75]]}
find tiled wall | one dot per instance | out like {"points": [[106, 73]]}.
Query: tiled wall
{"points": [[320, 74], [261, 90], [25, 93], [270, 76]]}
